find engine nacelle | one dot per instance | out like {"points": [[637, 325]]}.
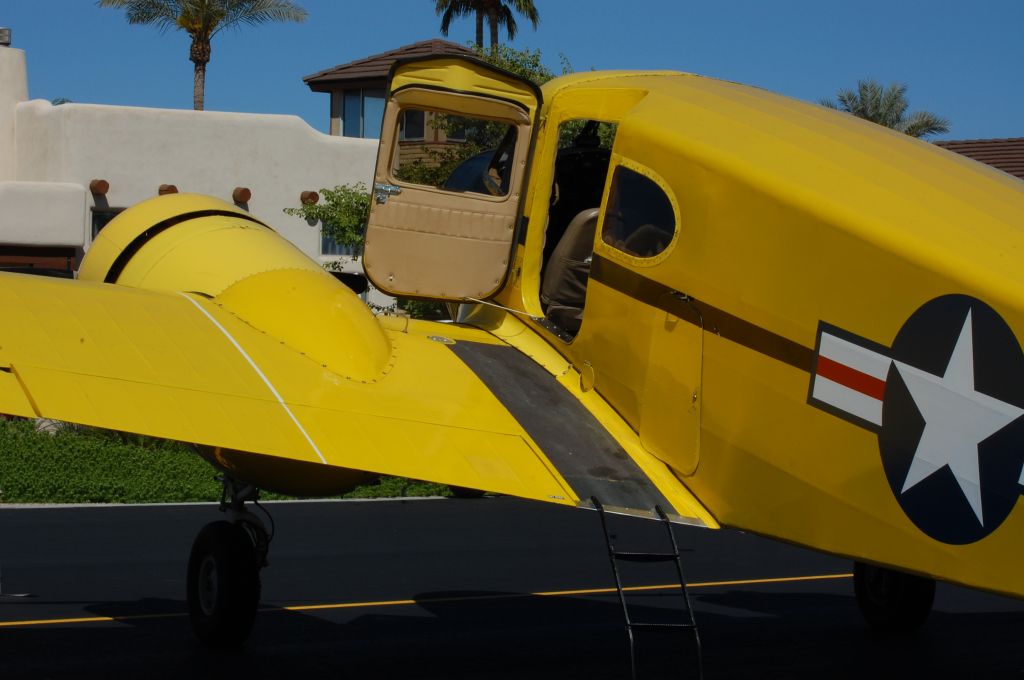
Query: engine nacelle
{"points": [[199, 244], [187, 242]]}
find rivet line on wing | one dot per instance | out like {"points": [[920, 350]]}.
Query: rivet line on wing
{"points": [[256, 368]]}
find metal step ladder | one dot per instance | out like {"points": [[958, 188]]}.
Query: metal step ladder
{"points": [[687, 625]]}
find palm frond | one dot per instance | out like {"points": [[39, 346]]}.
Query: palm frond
{"points": [[849, 101], [451, 9], [256, 12], [162, 14], [887, 106], [458, 8], [868, 102], [446, 20], [893, 105], [527, 9], [922, 123]]}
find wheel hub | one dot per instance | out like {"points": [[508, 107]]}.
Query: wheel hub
{"points": [[208, 583]]}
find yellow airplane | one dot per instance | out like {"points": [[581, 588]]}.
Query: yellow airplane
{"points": [[745, 310]]}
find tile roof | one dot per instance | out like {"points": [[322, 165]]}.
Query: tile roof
{"points": [[377, 66], [1004, 154]]}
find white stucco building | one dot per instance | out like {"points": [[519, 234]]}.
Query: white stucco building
{"points": [[50, 156]]}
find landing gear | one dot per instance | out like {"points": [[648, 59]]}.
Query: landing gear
{"points": [[223, 585], [892, 602], [223, 580]]}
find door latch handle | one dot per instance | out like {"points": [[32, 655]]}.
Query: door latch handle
{"points": [[381, 192]]}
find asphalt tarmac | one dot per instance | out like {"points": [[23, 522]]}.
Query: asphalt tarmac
{"points": [[452, 589]]}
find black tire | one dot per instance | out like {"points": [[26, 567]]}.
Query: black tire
{"points": [[892, 602], [223, 585]]}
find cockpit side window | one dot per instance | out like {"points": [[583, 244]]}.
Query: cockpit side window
{"points": [[639, 220], [454, 153]]}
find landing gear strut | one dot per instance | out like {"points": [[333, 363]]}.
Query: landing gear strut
{"points": [[223, 579], [892, 602]]}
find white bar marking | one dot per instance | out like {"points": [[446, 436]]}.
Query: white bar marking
{"points": [[856, 357], [266, 381], [845, 399]]}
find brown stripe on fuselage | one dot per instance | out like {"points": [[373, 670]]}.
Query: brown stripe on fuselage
{"points": [[699, 313]]}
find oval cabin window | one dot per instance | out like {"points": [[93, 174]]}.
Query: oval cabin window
{"points": [[639, 219]]}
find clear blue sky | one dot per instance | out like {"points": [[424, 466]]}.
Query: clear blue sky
{"points": [[962, 60]]}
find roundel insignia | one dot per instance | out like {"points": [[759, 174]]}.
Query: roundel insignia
{"points": [[946, 401]]}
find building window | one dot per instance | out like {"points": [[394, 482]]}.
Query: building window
{"points": [[639, 220], [412, 125], [362, 113], [352, 114], [101, 216], [328, 246], [457, 129]]}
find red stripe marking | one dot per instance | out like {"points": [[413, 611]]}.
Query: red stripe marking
{"points": [[851, 377]]}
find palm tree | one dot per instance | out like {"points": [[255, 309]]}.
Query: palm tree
{"points": [[887, 106], [203, 19], [497, 12]]}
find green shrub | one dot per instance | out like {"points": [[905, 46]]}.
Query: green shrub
{"points": [[79, 465], [87, 465]]}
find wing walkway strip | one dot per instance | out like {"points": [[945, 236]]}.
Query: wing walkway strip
{"points": [[266, 380], [430, 600]]}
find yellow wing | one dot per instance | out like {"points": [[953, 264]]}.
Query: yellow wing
{"points": [[286, 379]]}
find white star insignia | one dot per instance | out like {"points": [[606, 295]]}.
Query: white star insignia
{"points": [[957, 418]]}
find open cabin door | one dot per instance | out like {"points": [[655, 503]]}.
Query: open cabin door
{"points": [[449, 179]]}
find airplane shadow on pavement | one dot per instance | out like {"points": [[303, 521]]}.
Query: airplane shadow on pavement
{"points": [[486, 634]]}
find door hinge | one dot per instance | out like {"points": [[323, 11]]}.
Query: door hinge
{"points": [[381, 192]]}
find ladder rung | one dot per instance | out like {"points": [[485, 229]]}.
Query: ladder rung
{"points": [[661, 626], [644, 557]]}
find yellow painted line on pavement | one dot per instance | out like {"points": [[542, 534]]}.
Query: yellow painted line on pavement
{"points": [[429, 600], [89, 619], [561, 593]]}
